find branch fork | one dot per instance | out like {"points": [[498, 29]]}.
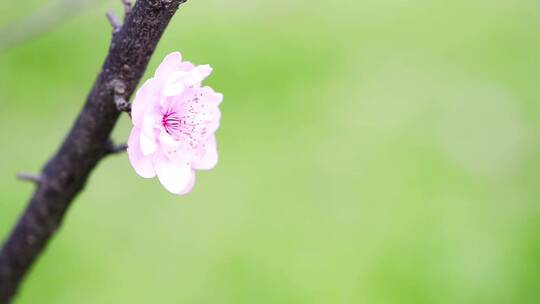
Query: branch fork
{"points": [[112, 148], [113, 18]]}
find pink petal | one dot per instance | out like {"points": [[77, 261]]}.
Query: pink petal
{"points": [[198, 74], [141, 163], [189, 186], [146, 100], [169, 146], [205, 70], [210, 157], [215, 114], [174, 175], [211, 96], [187, 66], [178, 80], [213, 120], [173, 89], [148, 138], [171, 63]]}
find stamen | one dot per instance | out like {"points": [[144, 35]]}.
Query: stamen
{"points": [[171, 122]]}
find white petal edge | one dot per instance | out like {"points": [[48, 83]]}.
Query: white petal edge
{"points": [[170, 63], [190, 185], [142, 164], [174, 175]]}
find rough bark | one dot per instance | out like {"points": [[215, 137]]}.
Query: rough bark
{"points": [[65, 174]]}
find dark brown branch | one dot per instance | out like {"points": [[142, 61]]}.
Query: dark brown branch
{"points": [[122, 104], [119, 89], [65, 175]]}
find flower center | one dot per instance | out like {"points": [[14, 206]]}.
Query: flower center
{"points": [[171, 122]]}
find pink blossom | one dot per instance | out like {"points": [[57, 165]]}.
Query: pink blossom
{"points": [[174, 124]]}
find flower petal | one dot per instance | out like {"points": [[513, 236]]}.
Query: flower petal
{"points": [[141, 163], [174, 175], [197, 75], [210, 157], [148, 138], [173, 89], [146, 100], [171, 63], [211, 96], [190, 185], [186, 66], [205, 70], [169, 146]]}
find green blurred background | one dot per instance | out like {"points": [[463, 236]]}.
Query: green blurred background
{"points": [[370, 152]]}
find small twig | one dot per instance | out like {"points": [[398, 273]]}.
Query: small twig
{"points": [[113, 148], [114, 21], [127, 7], [35, 178]]}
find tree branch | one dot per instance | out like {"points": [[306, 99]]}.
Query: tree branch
{"points": [[65, 174]]}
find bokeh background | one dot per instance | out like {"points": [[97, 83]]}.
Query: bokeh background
{"points": [[370, 152]]}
